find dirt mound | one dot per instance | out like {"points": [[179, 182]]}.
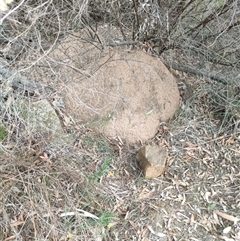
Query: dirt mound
{"points": [[117, 91], [127, 96]]}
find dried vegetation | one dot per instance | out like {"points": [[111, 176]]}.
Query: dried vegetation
{"points": [[92, 188]]}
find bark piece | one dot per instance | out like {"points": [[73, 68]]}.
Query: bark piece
{"points": [[152, 159]]}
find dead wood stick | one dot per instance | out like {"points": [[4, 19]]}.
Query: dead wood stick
{"points": [[194, 71], [20, 82]]}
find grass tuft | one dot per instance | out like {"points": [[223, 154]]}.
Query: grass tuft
{"points": [[3, 132]]}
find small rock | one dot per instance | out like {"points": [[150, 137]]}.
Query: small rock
{"points": [[152, 159]]}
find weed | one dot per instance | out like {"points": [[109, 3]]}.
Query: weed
{"points": [[105, 218], [211, 207], [103, 146], [97, 142], [87, 141], [3, 132], [226, 103], [102, 170]]}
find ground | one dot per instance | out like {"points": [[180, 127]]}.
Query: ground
{"points": [[93, 189]]}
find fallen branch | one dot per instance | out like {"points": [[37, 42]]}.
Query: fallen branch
{"points": [[22, 83], [194, 71], [176, 66], [121, 43]]}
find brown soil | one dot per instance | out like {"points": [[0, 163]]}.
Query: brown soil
{"points": [[122, 93]]}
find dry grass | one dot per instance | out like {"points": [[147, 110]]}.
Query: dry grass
{"points": [[91, 189], [88, 190]]}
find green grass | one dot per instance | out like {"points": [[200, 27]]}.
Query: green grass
{"points": [[3, 132], [102, 151], [102, 170], [97, 142], [106, 218]]}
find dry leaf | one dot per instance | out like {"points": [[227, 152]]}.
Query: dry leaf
{"points": [[110, 225], [192, 220], [16, 223], [10, 238], [226, 238], [230, 140], [215, 216], [144, 195], [227, 216], [158, 234], [46, 158], [227, 230], [134, 225]]}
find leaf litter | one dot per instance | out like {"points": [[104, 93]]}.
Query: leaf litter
{"points": [[198, 198]]}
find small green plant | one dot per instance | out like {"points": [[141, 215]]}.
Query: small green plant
{"points": [[102, 170], [97, 142], [211, 207], [103, 146], [88, 141], [105, 218], [3, 132]]}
